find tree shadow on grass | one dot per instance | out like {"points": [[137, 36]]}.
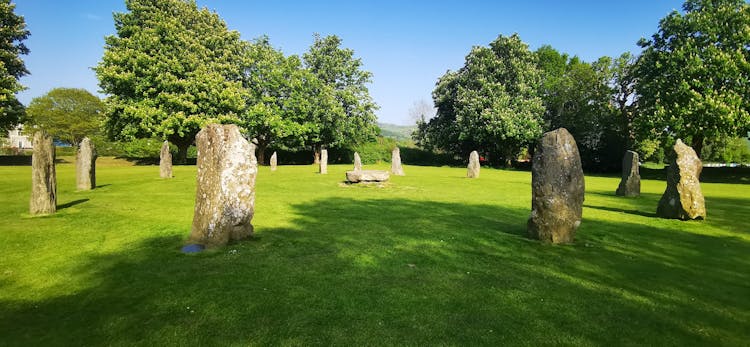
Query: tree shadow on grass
{"points": [[404, 272]]}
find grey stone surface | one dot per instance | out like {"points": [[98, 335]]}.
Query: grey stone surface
{"points": [[557, 187], [274, 161], [396, 167], [323, 161], [357, 162], [225, 189], [43, 176], [86, 165], [473, 168], [165, 161], [356, 176], [630, 184], [683, 198]]}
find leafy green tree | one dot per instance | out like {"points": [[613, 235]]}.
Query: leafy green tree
{"points": [[580, 97], [693, 73], [68, 114], [624, 98], [12, 33], [170, 69], [283, 98], [491, 104], [353, 118]]}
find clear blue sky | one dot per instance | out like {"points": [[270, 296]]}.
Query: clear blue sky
{"points": [[407, 45]]}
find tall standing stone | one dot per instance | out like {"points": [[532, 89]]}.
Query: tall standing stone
{"points": [[225, 192], [43, 177], [357, 162], [473, 168], [323, 161], [557, 188], [683, 198], [86, 165], [165, 161], [630, 184], [396, 168], [274, 161]]}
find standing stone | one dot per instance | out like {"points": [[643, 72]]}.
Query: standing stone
{"points": [[225, 192], [683, 198], [396, 168], [274, 161], [43, 177], [473, 168], [86, 165], [557, 188], [165, 161], [323, 161], [630, 185], [357, 162]]}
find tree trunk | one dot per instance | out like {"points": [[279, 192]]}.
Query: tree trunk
{"points": [[182, 149], [698, 144], [262, 153], [182, 144], [316, 154]]}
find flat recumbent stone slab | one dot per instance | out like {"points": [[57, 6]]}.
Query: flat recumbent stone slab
{"points": [[356, 176]]}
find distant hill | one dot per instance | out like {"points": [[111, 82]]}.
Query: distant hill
{"points": [[397, 132]]}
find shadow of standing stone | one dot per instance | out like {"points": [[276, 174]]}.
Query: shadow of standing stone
{"points": [[630, 184], [683, 198], [43, 176], [225, 192], [557, 188], [86, 165]]}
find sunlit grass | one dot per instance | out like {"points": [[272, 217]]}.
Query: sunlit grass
{"points": [[431, 258]]}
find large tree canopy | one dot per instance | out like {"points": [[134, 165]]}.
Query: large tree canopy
{"points": [[580, 97], [12, 34], [353, 119], [491, 104], [170, 69], [68, 114], [693, 73], [283, 98]]}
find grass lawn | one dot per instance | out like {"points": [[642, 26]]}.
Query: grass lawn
{"points": [[431, 259]]}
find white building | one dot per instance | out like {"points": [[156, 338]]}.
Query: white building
{"points": [[16, 138]]}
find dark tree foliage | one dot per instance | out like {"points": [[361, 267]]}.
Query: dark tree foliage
{"points": [[12, 34]]}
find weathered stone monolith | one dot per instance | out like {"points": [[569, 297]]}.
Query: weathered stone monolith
{"points": [[165, 161], [557, 188], [274, 161], [683, 198], [356, 176], [630, 184], [86, 165], [473, 168], [323, 161], [357, 162], [396, 168], [43, 177], [225, 189]]}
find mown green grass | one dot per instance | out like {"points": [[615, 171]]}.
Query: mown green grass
{"points": [[431, 259]]}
